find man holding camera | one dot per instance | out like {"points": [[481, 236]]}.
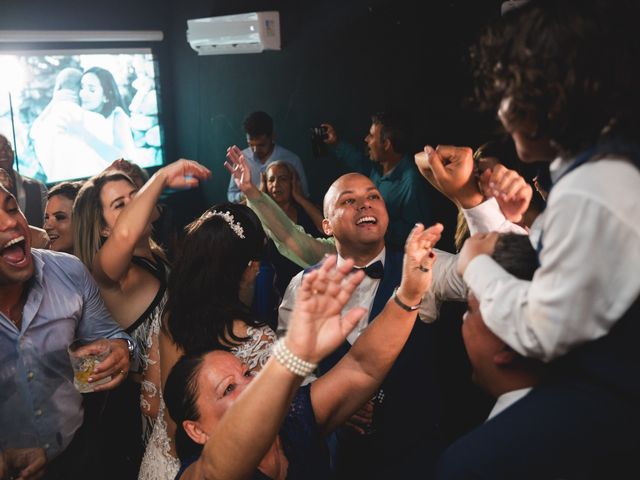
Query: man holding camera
{"points": [[262, 150], [393, 173]]}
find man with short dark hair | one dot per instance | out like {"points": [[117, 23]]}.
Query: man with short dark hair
{"points": [[30, 193], [262, 150], [46, 300], [393, 172]]}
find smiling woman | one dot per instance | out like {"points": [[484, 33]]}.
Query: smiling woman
{"points": [[280, 181], [58, 216], [112, 235]]}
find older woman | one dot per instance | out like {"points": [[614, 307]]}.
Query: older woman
{"points": [[280, 182], [249, 428], [208, 304]]}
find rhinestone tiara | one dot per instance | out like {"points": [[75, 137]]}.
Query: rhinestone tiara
{"points": [[229, 218]]}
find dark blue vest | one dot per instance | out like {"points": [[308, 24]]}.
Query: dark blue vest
{"points": [[410, 413]]}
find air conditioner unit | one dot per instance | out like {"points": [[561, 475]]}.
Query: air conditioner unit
{"points": [[243, 33]]}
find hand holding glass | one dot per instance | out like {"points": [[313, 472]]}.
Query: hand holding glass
{"points": [[85, 355]]}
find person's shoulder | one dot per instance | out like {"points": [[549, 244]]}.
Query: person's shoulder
{"points": [[33, 181], [285, 152], [609, 181]]}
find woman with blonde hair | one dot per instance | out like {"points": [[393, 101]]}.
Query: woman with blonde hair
{"points": [[112, 237]]}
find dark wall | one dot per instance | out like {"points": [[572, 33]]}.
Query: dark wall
{"points": [[340, 61]]}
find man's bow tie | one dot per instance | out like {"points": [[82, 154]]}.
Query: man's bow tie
{"points": [[375, 270]]}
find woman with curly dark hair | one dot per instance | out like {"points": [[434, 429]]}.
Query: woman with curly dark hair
{"points": [[563, 77]]}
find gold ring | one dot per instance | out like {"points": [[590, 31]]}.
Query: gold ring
{"points": [[423, 269]]}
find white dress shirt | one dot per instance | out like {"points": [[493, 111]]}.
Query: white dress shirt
{"points": [[590, 259], [363, 296], [446, 285], [487, 217]]}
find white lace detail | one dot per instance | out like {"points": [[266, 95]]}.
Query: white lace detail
{"points": [[158, 463], [256, 351], [147, 335]]}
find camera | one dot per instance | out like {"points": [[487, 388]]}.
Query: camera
{"points": [[318, 136]]}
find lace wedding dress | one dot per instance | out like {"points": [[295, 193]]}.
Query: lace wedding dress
{"points": [[158, 463]]}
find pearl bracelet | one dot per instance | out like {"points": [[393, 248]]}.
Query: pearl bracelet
{"points": [[293, 363]]}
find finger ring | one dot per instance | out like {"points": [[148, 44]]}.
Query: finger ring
{"points": [[122, 372], [423, 269], [236, 167]]}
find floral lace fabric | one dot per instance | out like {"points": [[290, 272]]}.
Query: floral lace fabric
{"points": [[158, 463], [256, 351]]}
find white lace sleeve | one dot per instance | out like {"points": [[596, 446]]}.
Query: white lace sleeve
{"points": [[256, 351], [158, 463]]}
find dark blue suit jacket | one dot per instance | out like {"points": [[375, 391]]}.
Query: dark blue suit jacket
{"points": [[410, 415]]}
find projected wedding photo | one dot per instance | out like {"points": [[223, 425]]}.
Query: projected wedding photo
{"points": [[72, 114]]}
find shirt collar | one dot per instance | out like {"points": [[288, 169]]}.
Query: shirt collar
{"points": [[38, 267], [398, 170], [558, 167], [380, 257], [506, 400]]}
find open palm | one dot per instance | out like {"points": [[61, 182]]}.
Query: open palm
{"points": [[317, 327], [239, 169]]}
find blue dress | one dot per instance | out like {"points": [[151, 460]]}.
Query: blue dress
{"points": [[303, 443]]}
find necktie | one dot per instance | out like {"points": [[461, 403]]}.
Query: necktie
{"points": [[375, 270]]}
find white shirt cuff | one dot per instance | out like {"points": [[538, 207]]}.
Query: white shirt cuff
{"points": [[487, 217]]}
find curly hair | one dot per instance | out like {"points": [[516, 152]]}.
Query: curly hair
{"points": [[569, 65], [205, 282]]}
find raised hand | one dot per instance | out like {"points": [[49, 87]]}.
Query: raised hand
{"points": [[240, 171], [451, 171], [510, 190], [418, 262], [317, 327], [478, 244], [184, 174]]}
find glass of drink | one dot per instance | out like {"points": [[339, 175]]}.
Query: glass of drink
{"points": [[85, 355]]}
